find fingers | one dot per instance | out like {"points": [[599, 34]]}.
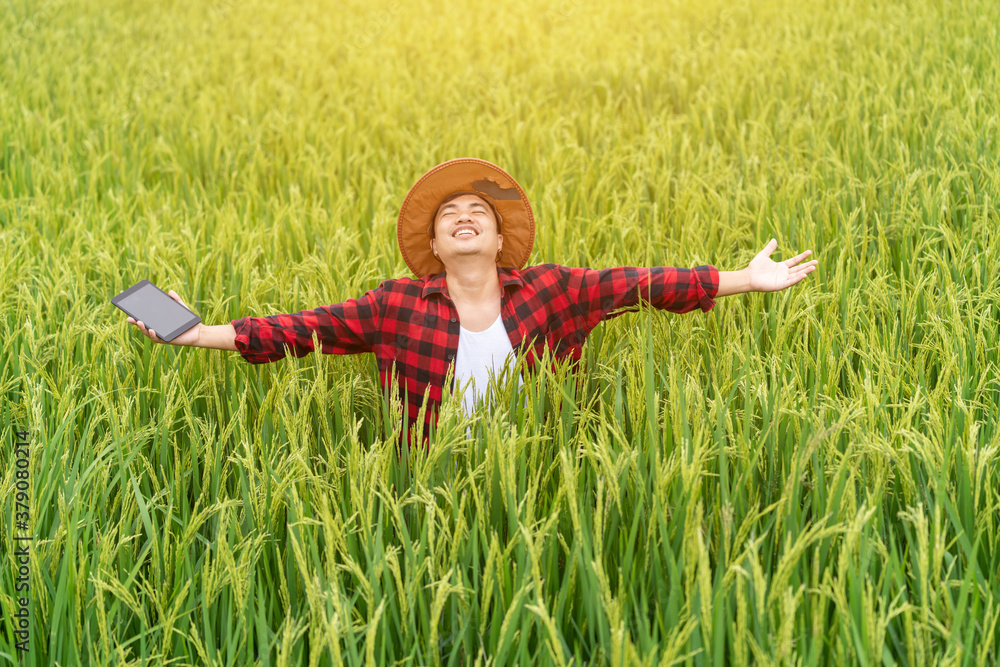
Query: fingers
{"points": [[798, 258], [772, 245], [803, 267], [176, 297], [797, 276], [769, 249], [153, 336], [149, 333]]}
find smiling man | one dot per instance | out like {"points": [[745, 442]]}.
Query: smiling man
{"points": [[465, 230]]}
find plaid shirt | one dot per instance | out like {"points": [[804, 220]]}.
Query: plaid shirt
{"points": [[413, 325]]}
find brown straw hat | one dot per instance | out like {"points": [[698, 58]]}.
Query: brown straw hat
{"points": [[484, 178]]}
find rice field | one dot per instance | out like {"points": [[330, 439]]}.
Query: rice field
{"points": [[808, 477]]}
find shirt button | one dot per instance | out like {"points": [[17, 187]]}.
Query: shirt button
{"points": [[450, 357], [454, 320]]}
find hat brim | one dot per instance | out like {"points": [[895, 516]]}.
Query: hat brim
{"points": [[464, 174]]}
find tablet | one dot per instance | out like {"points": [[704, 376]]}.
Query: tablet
{"points": [[147, 303]]}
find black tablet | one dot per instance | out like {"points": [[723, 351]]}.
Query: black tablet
{"points": [[147, 303]]}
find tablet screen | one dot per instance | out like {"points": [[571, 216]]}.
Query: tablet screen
{"points": [[155, 309]]}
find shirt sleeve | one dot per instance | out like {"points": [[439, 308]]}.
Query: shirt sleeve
{"points": [[606, 293], [343, 328]]}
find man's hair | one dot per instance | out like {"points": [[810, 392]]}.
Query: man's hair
{"points": [[453, 195]]}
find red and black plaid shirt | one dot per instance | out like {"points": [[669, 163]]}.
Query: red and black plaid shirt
{"points": [[414, 324]]}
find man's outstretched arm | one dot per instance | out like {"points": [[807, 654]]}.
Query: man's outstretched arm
{"points": [[218, 337], [606, 293], [343, 328], [764, 274]]}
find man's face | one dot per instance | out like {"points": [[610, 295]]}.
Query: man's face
{"points": [[464, 227]]}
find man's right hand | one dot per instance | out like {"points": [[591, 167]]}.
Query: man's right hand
{"points": [[189, 337]]}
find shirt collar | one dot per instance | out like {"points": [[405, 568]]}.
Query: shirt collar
{"points": [[436, 283]]}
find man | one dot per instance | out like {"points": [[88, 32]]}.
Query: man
{"points": [[465, 230]]}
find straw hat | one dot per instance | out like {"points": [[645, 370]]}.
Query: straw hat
{"points": [[484, 178]]}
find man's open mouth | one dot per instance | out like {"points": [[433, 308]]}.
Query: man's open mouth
{"points": [[465, 231]]}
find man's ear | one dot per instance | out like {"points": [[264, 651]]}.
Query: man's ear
{"points": [[433, 249], [499, 242]]}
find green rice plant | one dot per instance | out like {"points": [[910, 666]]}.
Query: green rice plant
{"points": [[806, 477]]}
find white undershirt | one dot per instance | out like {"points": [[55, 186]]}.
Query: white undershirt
{"points": [[478, 353]]}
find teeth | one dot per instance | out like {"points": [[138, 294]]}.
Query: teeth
{"points": [[465, 232]]}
